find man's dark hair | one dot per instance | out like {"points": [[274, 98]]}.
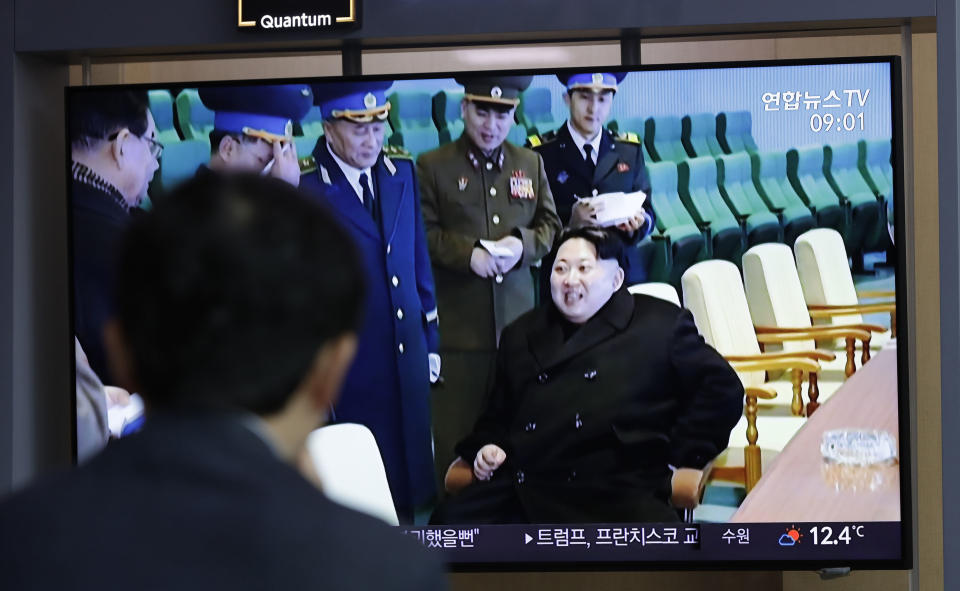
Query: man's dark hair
{"points": [[217, 135], [608, 244], [97, 114], [227, 290]]}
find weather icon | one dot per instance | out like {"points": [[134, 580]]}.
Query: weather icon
{"points": [[791, 538]]}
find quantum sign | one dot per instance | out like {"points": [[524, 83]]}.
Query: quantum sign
{"points": [[298, 14]]}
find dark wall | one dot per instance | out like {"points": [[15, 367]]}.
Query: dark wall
{"points": [[6, 249], [60, 25]]}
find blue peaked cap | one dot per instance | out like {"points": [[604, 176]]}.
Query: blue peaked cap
{"points": [[266, 111], [357, 101], [592, 80]]}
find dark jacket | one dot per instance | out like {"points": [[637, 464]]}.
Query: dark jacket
{"points": [[620, 167], [388, 386], [98, 224], [197, 502], [591, 425]]}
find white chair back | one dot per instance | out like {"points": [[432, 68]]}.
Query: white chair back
{"points": [[774, 294], [664, 291], [825, 273], [713, 292], [347, 459]]}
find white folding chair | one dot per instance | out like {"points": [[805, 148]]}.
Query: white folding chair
{"points": [[348, 462]]}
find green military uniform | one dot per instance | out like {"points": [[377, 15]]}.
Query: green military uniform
{"points": [[466, 197]]}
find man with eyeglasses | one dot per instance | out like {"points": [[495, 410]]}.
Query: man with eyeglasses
{"points": [[253, 128], [114, 155]]}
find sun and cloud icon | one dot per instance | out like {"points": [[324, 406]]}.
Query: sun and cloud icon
{"points": [[791, 537]]}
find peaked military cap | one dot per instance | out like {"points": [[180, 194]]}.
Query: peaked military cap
{"points": [[501, 90], [360, 102], [595, 81], [265, 111]]}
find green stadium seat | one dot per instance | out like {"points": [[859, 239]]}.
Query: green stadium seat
{"points": [[312, 123], [517, 135], [701, 195], [683, 242], [662, 138], [446, 115], [179, 162], [412, 121], [635, 125], [305, 144], [873, 160], [161, 105], [733, 132], [195, 119], [735, 182], [769, 172], [699, 135], [535, 111], [805, 170], [840, 169]]}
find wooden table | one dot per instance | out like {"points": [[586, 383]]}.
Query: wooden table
{"points": [[800, 486]]}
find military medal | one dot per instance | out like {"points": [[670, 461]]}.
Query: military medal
{"points": [[622, 167], [562, 177], [462, 183], [521, 187]]}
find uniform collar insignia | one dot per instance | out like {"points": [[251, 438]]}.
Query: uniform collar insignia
{"points": [[325, 176], [391, 167]]}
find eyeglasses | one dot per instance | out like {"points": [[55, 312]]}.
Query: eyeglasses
{"points": [[156, 148]]}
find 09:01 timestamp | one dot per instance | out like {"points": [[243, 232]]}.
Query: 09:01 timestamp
{"points": [[828, 121]]}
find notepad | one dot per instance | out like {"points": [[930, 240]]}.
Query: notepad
{"points": [[496, 249], [616, 208]]}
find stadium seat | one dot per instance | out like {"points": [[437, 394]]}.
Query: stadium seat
{"points": [[412, 122], [700, 194], [769, 172], [634, 125], [776, 302], [517, 135], [347, 461], [161, 105], [699, 135], [828, 286], [535, 111], [873, 160], [805, 172], [683, 241], [305, 144], [179, 162], [195, 119], [446, 115], [736, 185], [845, 178], [734, 132], [662, 139], [312, 122]]}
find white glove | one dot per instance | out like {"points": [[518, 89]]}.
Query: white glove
{"points": [[434, 360]]}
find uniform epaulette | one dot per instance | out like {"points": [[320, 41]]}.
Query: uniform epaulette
{"points": [[539, 139], [307, 164], [629, 136], [396, 152]]}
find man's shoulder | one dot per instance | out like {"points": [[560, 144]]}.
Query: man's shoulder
{"points": [[520, 155], [543, 142], [440, 155]]}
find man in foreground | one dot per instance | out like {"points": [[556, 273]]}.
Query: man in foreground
{"points": [[596, 396], [237, 326]]}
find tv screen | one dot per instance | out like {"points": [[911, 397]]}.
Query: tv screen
{"points": [[616, 318]]}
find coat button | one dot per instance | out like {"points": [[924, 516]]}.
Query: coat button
{"points": [[400, 348], [530, 427], [489, 165], [577, 423], [388, 249], [520, 476], [498, 278], [399, 314], [496, 219], [590, 375], [395, 281], [493, 191], [542, 378]]}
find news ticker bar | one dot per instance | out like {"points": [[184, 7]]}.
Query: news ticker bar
{"points": [[875, 540]]}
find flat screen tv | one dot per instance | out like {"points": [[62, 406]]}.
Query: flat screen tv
{"points": [[736, 398]]}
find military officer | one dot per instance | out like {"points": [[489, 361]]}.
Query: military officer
{"points": [[253, 128], [582, 158], [489, 216], [374, 193]]}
